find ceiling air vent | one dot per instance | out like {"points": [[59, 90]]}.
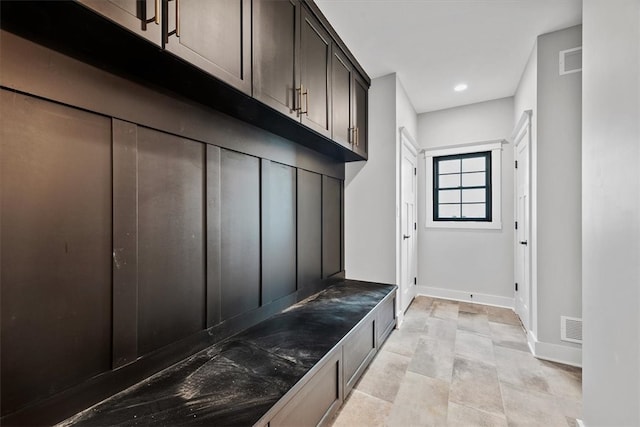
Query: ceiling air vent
{"points": [[571, 329], [571, 61]]}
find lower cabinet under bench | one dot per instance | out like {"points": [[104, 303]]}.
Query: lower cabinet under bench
{"points": [[293, 369]]}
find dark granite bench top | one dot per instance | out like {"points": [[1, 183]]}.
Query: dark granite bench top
{"points": [[236, 381]]}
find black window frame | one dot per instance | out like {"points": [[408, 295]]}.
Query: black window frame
{"points": [[487, 187]]}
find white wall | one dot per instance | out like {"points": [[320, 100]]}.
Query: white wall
{"points": [[460, 262], [370, 193], [611, 212], [372, 189], [559, 184], [556, 186]]}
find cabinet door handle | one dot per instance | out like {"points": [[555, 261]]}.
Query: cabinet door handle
{"points": [[177, 30], [306, 102], [302, 92], [156, 17], [177, 18], [357, 136], [298, 108]]}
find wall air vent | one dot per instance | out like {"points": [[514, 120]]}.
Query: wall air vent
{"points": [[571, 61], [571, 329]]}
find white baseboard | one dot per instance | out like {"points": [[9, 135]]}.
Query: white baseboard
{"points": [[554, 352], [580, 423], [455, 295]]}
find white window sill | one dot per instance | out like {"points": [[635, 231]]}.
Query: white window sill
{"points": [[467, 225]]}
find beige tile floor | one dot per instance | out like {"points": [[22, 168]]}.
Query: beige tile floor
{"points": [[461, 364]]}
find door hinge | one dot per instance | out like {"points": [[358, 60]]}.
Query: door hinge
{"points": [[516, 225], [415, 280], [516, 164], [415, 171], [415, 225], [516, 287]]}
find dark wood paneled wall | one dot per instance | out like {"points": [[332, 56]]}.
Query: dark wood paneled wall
{"points": [[55, 234], [133, 237], [240, 233]]}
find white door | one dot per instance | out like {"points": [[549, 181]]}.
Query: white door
{"points": [[408, 224], [522, 244]]}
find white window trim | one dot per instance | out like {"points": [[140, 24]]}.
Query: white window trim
{"points": [[496, 183]]}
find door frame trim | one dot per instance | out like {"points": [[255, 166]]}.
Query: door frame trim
{"points": [[522, 128]]}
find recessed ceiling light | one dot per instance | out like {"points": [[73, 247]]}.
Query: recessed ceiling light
{"points": [[460, 87]]}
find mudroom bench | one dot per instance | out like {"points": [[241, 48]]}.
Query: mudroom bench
{"points": [[294, 368]]}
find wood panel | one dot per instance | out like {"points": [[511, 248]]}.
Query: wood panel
{"points": [[341, 95], [360, 106], [125, 243], [214, 36], [214, 237], [357, 352], [55, 268], [309, 228], [331, 226], [315, 60], [278, 230], [171, 281], [276, 27], [386, 320], [240, 219]]}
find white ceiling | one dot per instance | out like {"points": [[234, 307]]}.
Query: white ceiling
{"points": [[435, 44]]}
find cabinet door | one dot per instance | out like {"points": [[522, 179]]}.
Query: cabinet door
{"points": [[276, 35], [214, 35], [360, 105], [341, 98], [143, 17], [315, 61]]}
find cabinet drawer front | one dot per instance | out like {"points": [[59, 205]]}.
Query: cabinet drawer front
{"points": [[357, 351], [317, 400]]}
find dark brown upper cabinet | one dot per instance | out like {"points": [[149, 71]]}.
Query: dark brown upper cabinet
{"points": [[269, 63], [341, 99], [215, 36], [143, 17], [360, 115], [314, 93], [276, 47]]}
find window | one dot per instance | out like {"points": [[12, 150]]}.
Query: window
{"points": [[462, 187]]}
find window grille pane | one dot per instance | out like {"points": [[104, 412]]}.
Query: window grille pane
{"points": [[474, 179], [449, 211], [474, 164], [449, 196], [449, 166], [475, 195], [474, 211], [449, 181]]}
